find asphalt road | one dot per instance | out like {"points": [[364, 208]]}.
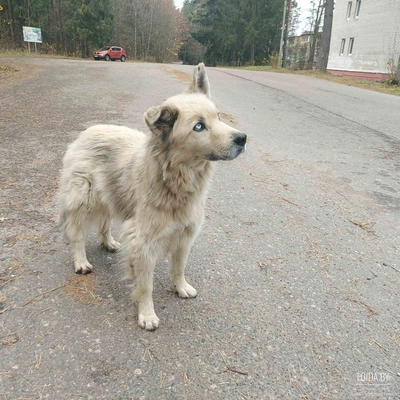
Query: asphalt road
{"points": [[297, 267]]}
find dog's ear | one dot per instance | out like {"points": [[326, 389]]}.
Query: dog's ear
{"points": [[200, 82], [161, 121]]}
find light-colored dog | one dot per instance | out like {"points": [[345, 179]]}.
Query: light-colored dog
{"points": [[156, 183]]}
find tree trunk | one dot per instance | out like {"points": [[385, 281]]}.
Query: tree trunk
{"points": [[398, 68], [150, 32], [253, 38], [12, 23], [314, 37], [326, 36]]}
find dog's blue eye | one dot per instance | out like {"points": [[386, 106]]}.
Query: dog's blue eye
{"points": [[199, 127]]}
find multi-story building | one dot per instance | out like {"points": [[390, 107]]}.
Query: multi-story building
{"points": [[365, 38]]}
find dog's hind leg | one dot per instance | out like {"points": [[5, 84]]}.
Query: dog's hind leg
{"points": [[75, 206], [180, 248], [105, 233], [75, 227]]}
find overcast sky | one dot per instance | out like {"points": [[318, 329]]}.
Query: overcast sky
{"points": [[303, 4], [178, 3]]}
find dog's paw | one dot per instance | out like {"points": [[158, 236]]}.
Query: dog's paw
{"points": [[185, 290], [83, 268], [112, 245], [148, 321]]}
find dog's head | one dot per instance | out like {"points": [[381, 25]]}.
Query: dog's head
{"points": [[189, 124]]}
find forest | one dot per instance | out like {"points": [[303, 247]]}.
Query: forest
{"points": [[220, 32]]}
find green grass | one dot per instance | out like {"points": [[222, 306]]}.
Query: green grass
{"points": [[360, 83]]}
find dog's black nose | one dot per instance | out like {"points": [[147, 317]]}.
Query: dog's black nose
{"points": [[240, 139]]}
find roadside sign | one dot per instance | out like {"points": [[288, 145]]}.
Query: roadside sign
{"points": [[32, 34]]}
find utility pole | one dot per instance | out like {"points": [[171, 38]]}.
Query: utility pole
{"points": [[326, 35], [285, 39], [282, 32]]}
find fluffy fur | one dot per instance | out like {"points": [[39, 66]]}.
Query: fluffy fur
{"points": [[155, 183]]}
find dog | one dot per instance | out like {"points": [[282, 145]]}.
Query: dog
{"points": [[155, 183]]}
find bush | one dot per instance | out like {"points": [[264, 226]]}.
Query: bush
{"points": [[391, 81], [274, 60], [392, 68]]}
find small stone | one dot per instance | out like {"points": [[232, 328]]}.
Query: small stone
{"points": [[138, 372]]}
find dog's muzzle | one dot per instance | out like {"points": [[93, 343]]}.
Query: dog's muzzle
{"points": [[238, 146]]}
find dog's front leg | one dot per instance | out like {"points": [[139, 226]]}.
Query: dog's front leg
{"points": [[180, 248], [143, 263]]}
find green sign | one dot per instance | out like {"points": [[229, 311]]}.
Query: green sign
{"points": [[32, 34]]}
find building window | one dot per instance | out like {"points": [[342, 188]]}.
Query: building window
{"points": [[342, 45], [349, 6], [358, 5], [351, 44]]}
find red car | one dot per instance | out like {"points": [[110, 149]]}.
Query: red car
{"points": [[110, 53]]}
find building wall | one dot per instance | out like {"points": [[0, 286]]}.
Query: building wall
{"points": [[376, 33]]}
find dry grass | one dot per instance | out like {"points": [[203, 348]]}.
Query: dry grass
{"points": [[229, 368], [396, 338], [181, 76], [9, 73], [320, 257], [34, 237], [367, 226], [9, 339], [360, 83], [32, 54], [228, 117], [81, 288], [13, 266], [361, 303], [40, 296], [6, 69]]}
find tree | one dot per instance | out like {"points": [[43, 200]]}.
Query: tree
{"points": [[148, 29], [235, 32], [315, 21], [290, 27], [326, 35], [294, 19]]}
